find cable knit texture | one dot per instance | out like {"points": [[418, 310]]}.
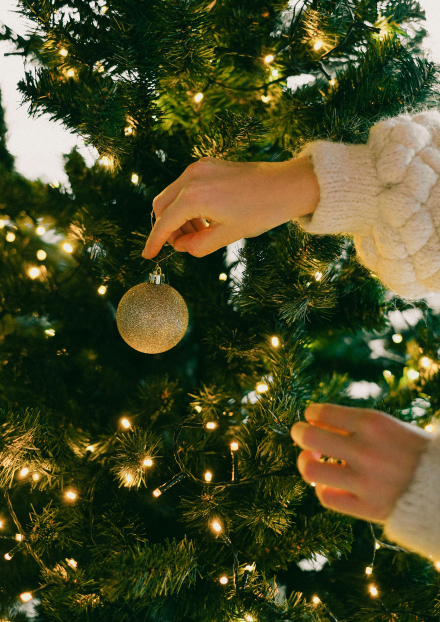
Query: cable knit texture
{"points": [[414, 522], [386, 194]]}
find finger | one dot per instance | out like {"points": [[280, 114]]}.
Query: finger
{"points": [[348, 503], [204, 242], [326, 473], [332, 416], [330, 443], [198, 225]]}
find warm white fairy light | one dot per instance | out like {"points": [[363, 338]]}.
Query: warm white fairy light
{"points": [[437, 565], [128, 478], [234, 446], [34, 272], [41, 255], [71, 73], [223, 580], [63, 52], [134, 178], [105, 161], [198, 409], [1, 524], [316, 600], [275, 73], [26, 597], [211, 425], [35, 477], [318, 45], [71, 495], [40, 230], [2, 223], [68, 248], [248, 618], [377, 545], [387, 373], [148, 462], [368, 570], [104, 9], [332, 82], [222, 277], [128, 130], [262, 387], [24, 472], [198, 98], [413, 374], [19, 537], [429, 427], [157, 492], [125, 423], [8, 557], [249, 568], [312, 484], [216, 526], [208, 476], [425, 361], [10, 237], [50, 332], [269, 58], [72, 563], [265, 98], [275, 342], [373, 590], [102, 289], [318, 276], [397, 338]]}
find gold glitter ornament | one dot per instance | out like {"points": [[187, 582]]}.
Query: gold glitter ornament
{"points": [[152, 317]]}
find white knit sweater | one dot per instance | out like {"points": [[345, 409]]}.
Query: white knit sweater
{"points": [[386, 194]]}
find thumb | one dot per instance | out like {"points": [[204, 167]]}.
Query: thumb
{"points": [[202, 242]]}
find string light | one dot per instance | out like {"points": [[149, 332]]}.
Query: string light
{"points": [[312, 484], [68, 248], [35, 477], [368, 570], [425, 361], [223, 580], [1, 524], [102, 289], [397, 338], [101, 68], [275, 342], [104, 9], [216, 526], [8, 557], [333, 82], [198, 98], [208, 476], [72, 563], [248, 618], [26, 597], [377, 545], [275, 73], [71, 73], [157, 492], [10, 237], [63, 52], [41, 255], [318, 276], [125, 423], [40, 230], [234, 446], [429, 427], [265, 98], [318, 45], [211, 425], [148, 462], [24, 472], [198, 408], [437, 565], [50, 332], [262, 387], [71, 495], [2, 223], [413, 374], [249, 568], [105, 161], [373, 590], [134, 178], [223, 277], [129, 478], [34, 272], [316, 600], [128, 130], [269, 58], [387, 373], [19, 537]]}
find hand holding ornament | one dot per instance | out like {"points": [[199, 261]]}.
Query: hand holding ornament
{"points": [[238, 199]]}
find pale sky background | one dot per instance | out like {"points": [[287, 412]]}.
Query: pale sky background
{"points": [[39, 144]]}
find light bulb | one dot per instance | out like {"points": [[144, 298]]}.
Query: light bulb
{"points": [[198, 98], [128, 130], [34, 272], [332, 82], [148, 462], [275, 73], [234, 446], [262, 387], [101, 69], [223, 580], [2, 223], [312, 484], [24, 472], [211, 425], [102, 289], [104, 9], [19, 537], [275, 342], [125, 423], [90, 448], [248, 618], [128, 478], [397, 338], [318, 276], [269, 58], [71, 495], [223, 277], [8, 557], [373, 590], [437, 565], [198, 408], [71, 73], [377, 545], [67, 247], [72, 563], [368, 570], [317, 45], [157, 492], [50, 332], [134, 178], [10, 237], [63, 52], [1, 524], [105, 161], [26, 597], [429, 427], [41, 255], [249, 568], [387, 373], [40, 230], [216, 526], [425, 361], [208, 476], [316, 600], [413, 374], [265, 98], [35, 477]]}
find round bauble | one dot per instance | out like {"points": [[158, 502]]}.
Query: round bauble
{"points": [[152, 317]]}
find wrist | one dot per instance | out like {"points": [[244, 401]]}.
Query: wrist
{"points": [[304, 191]]}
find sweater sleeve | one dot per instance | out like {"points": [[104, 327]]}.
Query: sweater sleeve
{"points": [[414, 522], [386, 194]]}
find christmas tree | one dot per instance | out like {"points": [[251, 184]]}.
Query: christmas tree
{"points": [[165, 486]]}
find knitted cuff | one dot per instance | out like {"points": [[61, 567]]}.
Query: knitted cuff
{"points": [[414, 522], [348, 183]]}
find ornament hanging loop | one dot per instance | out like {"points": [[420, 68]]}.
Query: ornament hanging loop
{"points": [[157, 277]]}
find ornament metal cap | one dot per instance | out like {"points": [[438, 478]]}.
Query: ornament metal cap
{"points": [[157, 277]]}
